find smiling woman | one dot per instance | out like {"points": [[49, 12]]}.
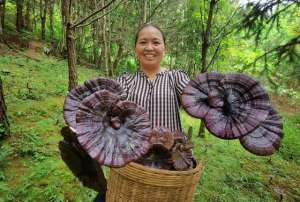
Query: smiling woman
{"points": [[150, 49], [151, 87]]}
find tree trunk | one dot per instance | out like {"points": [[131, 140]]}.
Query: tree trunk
{"points": [[105, 44], [143, 13], [28, 23], [51, 8], [4, 124], [70, 40], [117, 60], [43, 14], [70, 34], [205, 46], [34, 15], [2, 16], [19, 19], [62, 44]]}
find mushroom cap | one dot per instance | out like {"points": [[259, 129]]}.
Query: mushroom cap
{"points": [[157, 157], [266, 138], [232, 105], [76, 95], [195, 95], [182, 157], [107, 144], [162, 136]]}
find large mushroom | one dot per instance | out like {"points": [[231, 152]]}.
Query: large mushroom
{"points": [[169, 150], [112, 131], [182, 156], [159, 155], [266, 138], [76, 95], [231, 105]]}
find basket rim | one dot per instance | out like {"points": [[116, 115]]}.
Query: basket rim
{"points": [[163, 171]]}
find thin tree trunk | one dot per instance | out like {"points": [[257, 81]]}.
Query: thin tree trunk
{"points": [[70, 34], [62, 44], [34, 17], [204, 50], [70, 40], [43, 15], [4, 124], [28, 23], [117, 60], [19, 19], [2, 16], [143, 12], [104, 37], [51, 9]]}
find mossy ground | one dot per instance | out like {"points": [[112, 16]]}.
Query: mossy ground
{"points": [[31, 168]]}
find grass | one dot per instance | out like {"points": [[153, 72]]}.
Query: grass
{"points": [[31, 168]]}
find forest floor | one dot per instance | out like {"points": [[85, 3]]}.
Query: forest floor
{"points": [[31, 169]]}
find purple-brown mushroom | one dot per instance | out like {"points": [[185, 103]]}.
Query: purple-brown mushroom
{"points": [[76, 95], [266, 138], [157, 157], [182, 157], [112, 131], [169, 150], [199, 91], [162, 136], [231, 105]]}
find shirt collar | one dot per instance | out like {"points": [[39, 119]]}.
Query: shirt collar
{"points": [[143, 73]]}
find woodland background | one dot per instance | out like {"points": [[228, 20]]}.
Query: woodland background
{"points": [[49, 46]]}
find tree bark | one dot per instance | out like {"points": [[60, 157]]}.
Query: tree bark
{"points": [[51, 9], [62, 44], [2, 16], [4, 124], [205, 46], [143, 12], [116, 61], [105, 44], [43, 15], [28, 23], [19, 19], [70, 41]]}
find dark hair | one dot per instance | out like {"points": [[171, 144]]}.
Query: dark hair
{"points": [[149, 25]]}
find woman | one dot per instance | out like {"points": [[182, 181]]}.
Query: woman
{"points": [[155, 89], [152, 87]]}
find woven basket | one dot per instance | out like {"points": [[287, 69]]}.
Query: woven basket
{"points": [[138, 183]]}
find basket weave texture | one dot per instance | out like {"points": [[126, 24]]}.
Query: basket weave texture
{"points": [[138, 183]]}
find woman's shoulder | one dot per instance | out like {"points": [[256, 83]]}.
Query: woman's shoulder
{"points": [[125, 77], [176, 72]]}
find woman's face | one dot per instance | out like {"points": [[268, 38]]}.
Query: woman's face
{"points": [[150, 48]]}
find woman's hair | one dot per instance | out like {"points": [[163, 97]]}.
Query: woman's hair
{"points": [[149, 25]]}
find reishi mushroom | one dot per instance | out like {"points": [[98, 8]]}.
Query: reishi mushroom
{"points": [[76, 95], [266, 138], [235, 106], [111, 138], [169, 150], [231, 105]]}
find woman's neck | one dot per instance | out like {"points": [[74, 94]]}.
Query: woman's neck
{"points": [[151, 73]]}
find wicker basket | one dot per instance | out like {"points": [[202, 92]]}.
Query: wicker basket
{"points": [[138, 183]]}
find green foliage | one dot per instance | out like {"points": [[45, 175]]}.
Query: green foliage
{"points": [[30, 165]]}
